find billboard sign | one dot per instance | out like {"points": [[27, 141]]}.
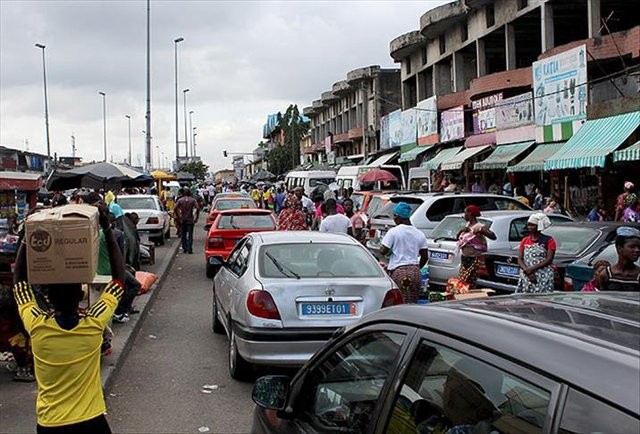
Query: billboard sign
{"points": [[484, 113], [395, 128], [384, 132], [427, 121], [515, 111], [408, 127], [452, 124]]}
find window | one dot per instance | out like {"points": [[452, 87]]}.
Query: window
{"points": [[424, 55], [440, 208], [449, 228], [223, 205], [407, 65], [137, 202], [342, 392], [464, 32], [585, 414], [457, 393], [490, 15], [246, 221], [522, 4], [442, 43], [239, 265]]}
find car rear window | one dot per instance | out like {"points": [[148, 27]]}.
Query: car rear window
{"points": [[246, 221], [223, 205], [449, 228], [572, 240], [309, 260], [314, 182], [137, 202]]}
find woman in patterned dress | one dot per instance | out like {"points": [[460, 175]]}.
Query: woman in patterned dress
{"points": [[536, 257], [472, 242]]}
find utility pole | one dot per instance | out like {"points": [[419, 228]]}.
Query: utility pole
{"points": [[147, 162], [73, 146]]}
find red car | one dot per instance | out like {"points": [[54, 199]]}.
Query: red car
{"points": [[228, 228], [225, 203]]}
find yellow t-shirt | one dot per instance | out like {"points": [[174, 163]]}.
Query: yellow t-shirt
{"points": [[67, 362]]}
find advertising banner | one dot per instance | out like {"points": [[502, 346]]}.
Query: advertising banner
{"points": [[384, 132], [515, 111], [452, 124], [560, 86], [408, 127], [484, 113], [427, 121], [327, 144], [395, 128]]}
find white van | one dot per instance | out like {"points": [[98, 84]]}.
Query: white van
{"points": [[419, 179], [309, 179], [348, 176]]}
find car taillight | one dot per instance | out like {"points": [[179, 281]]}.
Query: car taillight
{"points": [[261, 304], [483, 271], [568, 283], [153, 221], [215, 242], [392, 297]]}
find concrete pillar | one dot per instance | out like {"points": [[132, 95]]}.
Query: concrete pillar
{"points": [[481, 58], [593, 13], [458, 72], [546, 26], [442, 78], [510, 46]]}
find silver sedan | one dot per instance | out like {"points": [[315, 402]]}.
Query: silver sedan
{"points": [[281, 295]]}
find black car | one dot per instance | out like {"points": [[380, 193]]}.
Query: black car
{"points": [[574, 240], [560, 362]]}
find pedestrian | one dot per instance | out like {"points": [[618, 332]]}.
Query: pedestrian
{"points": [[307, 204], [358, 225], [507, 188], [538, 199], [629, 188], [407, 249], [598, 212], [535, 257], [518, 196], [66, 345], [552, 207], [477, 186], [596, 282], [280, 197], [494, 188], [631, 213], [472, 242], [187, 211], [292, 217], [334, 222], [624, 275]]}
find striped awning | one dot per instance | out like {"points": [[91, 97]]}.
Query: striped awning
{"points": [[413, 153], [534, 162], [458, 160], [383, 159], [503, 155], [632, 153], [440, 157], [594, 141]]}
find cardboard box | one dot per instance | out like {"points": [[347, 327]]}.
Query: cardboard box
{"points": [[472, 294], [62, 244]]}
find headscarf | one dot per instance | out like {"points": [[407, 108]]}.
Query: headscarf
{"points": [[402, 210], [291, 218], [473, 210], [541, 220], [629, 185], [109, 197], [627, 231]]}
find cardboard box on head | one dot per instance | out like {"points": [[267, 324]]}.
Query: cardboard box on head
{"points": [[62, 244]]}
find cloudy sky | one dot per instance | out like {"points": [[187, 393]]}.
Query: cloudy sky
{"points": [[241, 60]]}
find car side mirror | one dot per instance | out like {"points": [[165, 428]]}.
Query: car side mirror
{"points": [[271, 392]]}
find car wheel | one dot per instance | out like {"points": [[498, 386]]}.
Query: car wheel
{"points": [[210, 271], [161, 240], [238, 367], [216, 324]]}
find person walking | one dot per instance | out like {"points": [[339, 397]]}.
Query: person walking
{"points": [[598, 212], [66, 345], [535, 258], [187, 211], [335, 222], [629, 188], [292, 218], [358, 225], [624, 275], [407, 249], [472, 242], [631, 213]]}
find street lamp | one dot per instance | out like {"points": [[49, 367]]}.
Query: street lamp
{"points": [[186, 137], [194, 141], [191, 130], [104, 122], [129, 120], [46, 103], [175, 47], [157, 156]]}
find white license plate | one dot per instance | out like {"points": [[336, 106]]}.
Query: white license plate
{"points": [[507, 270], [319, 309], [439, 256]]}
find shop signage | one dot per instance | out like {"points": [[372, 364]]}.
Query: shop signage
{"points": [[484, 113], [408, 127], [560, 87], [328, 141], [395, 128], [384, 132], [238, 165], [452, 124], [427, 121], [515, 111]]}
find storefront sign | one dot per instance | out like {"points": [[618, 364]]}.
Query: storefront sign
{"points": [[395, 128], [560, 88], [328, 141], [484, 113], [452, 124], [408, 127], [384, 132], [427, 121], [515, 111]]}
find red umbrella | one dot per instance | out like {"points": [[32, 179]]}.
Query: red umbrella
{"points": [[375, 175]]}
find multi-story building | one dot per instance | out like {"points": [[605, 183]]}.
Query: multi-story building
{"points": [[345, 120]]}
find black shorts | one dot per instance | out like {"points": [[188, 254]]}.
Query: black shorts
{"points": [[97, 425]]}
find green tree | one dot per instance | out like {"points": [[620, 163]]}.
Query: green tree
{"points": [[294, 128], [197, 169]]}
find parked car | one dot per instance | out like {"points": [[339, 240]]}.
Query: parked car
{"points": [[281, 295], [573, 240], [430, 208], [515, 364], [154, 219], [510, 228], [228, 229], [225, 203]]}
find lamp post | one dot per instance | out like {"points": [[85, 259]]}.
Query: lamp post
{"points": [[186, 137], [157, 156], [194, 140], [104, 122], [46, 102], [175, 46], [191, 131], [129, 121]]}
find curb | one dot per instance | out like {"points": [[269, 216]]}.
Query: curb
{"points": [[124, 338]]}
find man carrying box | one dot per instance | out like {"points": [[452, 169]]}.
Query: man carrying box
{"points": [[66, 345]]}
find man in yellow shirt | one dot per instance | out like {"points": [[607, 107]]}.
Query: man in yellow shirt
{"points": [[66, 345]]}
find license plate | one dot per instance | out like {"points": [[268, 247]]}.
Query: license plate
{"points": [[507, 270], [318, 309], [439, 256]]}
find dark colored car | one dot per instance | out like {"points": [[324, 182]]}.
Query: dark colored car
{"points": [[574, 241], [554, 363]]}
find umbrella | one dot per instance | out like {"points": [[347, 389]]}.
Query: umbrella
{"points": [[159, 174], [98, 175], [375, 175], [262, 175]]}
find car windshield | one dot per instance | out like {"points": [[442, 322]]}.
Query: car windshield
{"points": [[246, 221], [312, 260], [222, 205], [449, 228], [314, 182], [137, 202], [358, 200], [572, 240], [386, 212]]}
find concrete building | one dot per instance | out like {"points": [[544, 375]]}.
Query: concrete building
{"points": [[345, 120]]}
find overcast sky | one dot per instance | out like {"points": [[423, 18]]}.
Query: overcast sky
{"points": [[241, 60]]}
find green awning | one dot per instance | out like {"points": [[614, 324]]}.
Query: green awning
{"points": [[413, 153], [596, 139], [503, 155], [534, 162], [458, 160], [632, 153], [440, 157]]}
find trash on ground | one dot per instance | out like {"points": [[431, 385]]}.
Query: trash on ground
{"points": [[206, 391], [153, 337], [210, 386], [204, 429]]}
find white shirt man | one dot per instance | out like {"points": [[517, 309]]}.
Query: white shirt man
{"points": [[404, 242], [336, 223]]}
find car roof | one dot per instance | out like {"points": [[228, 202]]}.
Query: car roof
{"points": [[231, 198], [588, 340], [497, 214], [245, 211], [135, 196], [272, 237]]}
